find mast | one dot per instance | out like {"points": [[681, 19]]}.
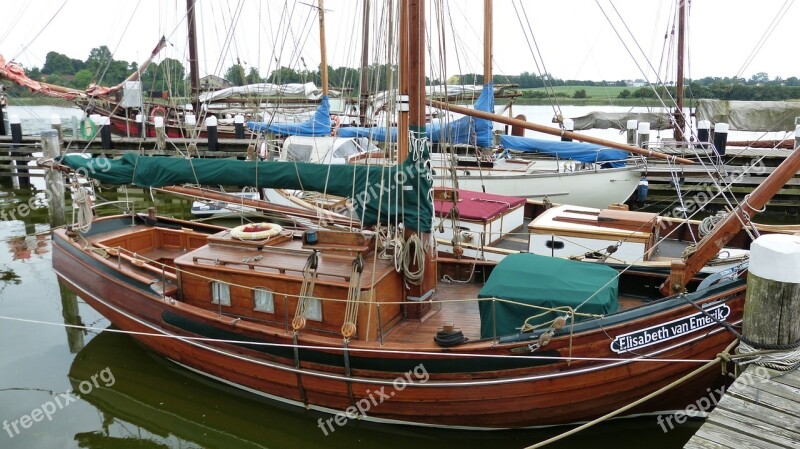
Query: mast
{"points": [[194, 72], [323, 69], [680, 121], [487, 41], [711, 244], [364, 85]]}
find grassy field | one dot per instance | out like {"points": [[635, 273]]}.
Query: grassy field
{"points": [[591, 91], [595, 95]]}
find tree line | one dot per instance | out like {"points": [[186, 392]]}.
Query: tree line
{"points": [[170, 75]]}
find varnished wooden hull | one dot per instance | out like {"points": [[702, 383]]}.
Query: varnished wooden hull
{"points": [[435, 387]]}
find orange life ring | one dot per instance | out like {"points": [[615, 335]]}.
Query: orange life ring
{"points": [[336, 124], [158, 111], [256, 231]]}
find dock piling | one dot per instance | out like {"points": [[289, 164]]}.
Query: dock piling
{"points": [[211, 131], [772, 307], [238, 122], [16, 138], [55, 124], [51, 149]]}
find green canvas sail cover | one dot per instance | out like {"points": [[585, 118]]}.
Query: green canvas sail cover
{"points": [[376, 193], [546, 282]]}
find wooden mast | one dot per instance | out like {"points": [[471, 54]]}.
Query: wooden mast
{"points": [[554, 131], [323, 69], [683, 271], [194, 72], [680, 121], [364, 85], [487, 41]]}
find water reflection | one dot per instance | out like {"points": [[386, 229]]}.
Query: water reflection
{"points": [[160, 404]]}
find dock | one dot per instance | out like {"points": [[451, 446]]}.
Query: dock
{"points": [[761, 409], [14, 156]]}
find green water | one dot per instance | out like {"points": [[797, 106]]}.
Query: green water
{"points": [[135, 399]]}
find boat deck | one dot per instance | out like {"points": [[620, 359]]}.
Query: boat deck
{"points": [[462, 315]]}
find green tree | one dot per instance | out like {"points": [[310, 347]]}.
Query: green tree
{"points": [[56, 63], [624, 93], [580, 93], [235, 74], [253, 77], [82, 79]]}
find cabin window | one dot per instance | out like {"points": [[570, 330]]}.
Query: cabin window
{"points": [[299, 153], [220, 293], [314, 309], [262, 300], [346, 150]]}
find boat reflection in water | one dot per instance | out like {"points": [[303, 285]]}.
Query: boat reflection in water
{"points": [[152, 403]]}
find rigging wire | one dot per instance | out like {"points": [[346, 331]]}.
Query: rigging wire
{"points": [[765, 36]]}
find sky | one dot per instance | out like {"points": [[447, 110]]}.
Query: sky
{"points": [[570, 39]]}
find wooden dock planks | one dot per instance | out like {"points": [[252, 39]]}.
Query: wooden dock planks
{"points": [[760, 410]]}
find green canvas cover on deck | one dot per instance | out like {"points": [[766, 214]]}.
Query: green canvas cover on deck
{"points": [[546, 282], [397, 191]]}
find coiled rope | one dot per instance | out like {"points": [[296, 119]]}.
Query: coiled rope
{"points": [[83, 201], [414, 253], [786, 358]]}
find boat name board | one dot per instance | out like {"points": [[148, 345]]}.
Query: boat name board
{"points": [[667, 331]]}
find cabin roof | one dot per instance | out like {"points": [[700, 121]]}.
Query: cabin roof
{"points": [[478, 205]]}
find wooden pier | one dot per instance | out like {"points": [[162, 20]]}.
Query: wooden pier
{"points": [[760, 410], [14, 155]]}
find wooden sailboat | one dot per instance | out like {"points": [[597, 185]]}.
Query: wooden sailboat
{"points": [[322, 320]]}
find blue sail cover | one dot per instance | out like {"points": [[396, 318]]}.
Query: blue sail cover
{"points": [[375, 133], [318, 125], [458, 131], [583, 152]]}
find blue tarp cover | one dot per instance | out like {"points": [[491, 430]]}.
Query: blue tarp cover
{"points": [[583, 152], [318, 125], [458, 131]]}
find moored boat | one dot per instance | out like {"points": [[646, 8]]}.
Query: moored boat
{"points": [[357, 323]]}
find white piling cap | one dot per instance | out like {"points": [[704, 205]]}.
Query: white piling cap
{"points": [[211, 121], [13, 119], [158, 121], [776, 257], [138, 118], [644, 128], [95, 118], [104, 121], [721, 128], [239, 118], [55, 119], [188, 107], [631, 124], [703, 124], [797, 132], [190, 119]]}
